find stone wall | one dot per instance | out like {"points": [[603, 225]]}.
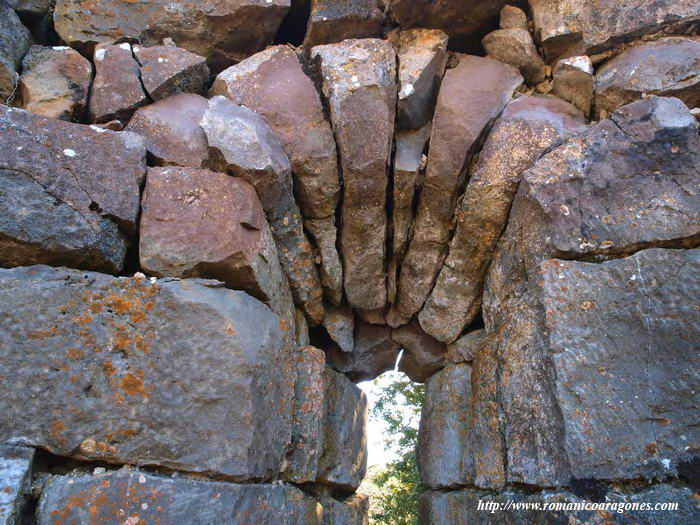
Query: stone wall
{"points": [[208, 235]]}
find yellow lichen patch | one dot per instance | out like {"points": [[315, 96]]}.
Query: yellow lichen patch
{"points": [[133, 385]]}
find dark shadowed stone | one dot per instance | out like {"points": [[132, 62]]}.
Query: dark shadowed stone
{"points": [[472, 95], [353, 510], [337, 20], [171, 130], [15, 41], [667, 67], [166, 70], [222, 32], [459, 507], [573, 81], [580, 27], [422, 54], [116, 91], [197, 223], [339, 322], [373, 354], [324, 236], [69, 193], [423, 355], [529, 126], [181, 374], [466, 347], [31, 9], [515, 47], [344, 459], [55, 82], [15, 480], [359, 79], [241, 144], [128, 496]]}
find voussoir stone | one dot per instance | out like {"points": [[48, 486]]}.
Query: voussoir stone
{"points": [[472, 95], [359, 84], [55, 82], [529, 126], [180, 374], [337, 20], [579, 27], [423, 355], [15, 479], [15, 41], [197, 223], [222, 32], [667, 67], [171, 130], [69, 193], [516, 47], [324, 235], [166, 70], [339, 322], [241, 144], [129, 496]]}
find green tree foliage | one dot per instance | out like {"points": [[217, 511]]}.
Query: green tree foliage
{"points": [[399, 405]]}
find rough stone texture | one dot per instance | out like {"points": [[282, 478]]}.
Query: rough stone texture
{"points": [[529, 126], [350, 511], [579, 27], [166, 70], [15, 478], [512, 17], [339, 322], [515, 47], [422, 54], [222, 32], [359, 78], [307, 424], [423, 355], [55, 82], [667, 67], [181, 374], [241, 144], [472, 95], [197, 223], [32, 9], [458, 507], [324, 235], [573, 81], [465, 21], [337, 20], [373, 354], [116, 91], [407, 171], [466, 347], [171, 130], [69, 193], [128, 496], [15, 41], [625, 184], [344, 459]]}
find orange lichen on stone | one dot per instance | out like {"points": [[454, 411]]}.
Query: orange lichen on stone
{"points": [[133, 385]]}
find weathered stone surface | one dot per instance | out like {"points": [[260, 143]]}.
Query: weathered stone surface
{"points": [[15, 41], [573, 81], [55, 82], [166, 70], [197, 223], [512, 17], [578, 27], [465, 21], [359, 79], [423, 355], [222, 32], [15, 478], [116, 91], [171, 130], [667, 67], [339, 322], [337, 20], [31, 9], [520, 508], [422, 54], [308, 420], [344, 458], [611, 191], [466, 347], [182, 374], [353, 510], [273, 84], [69, 193], [407, 171], [529, 126], [472, 95], [373, 354], [324, 235], [128, 496], [241, 144], [515, 47]]}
